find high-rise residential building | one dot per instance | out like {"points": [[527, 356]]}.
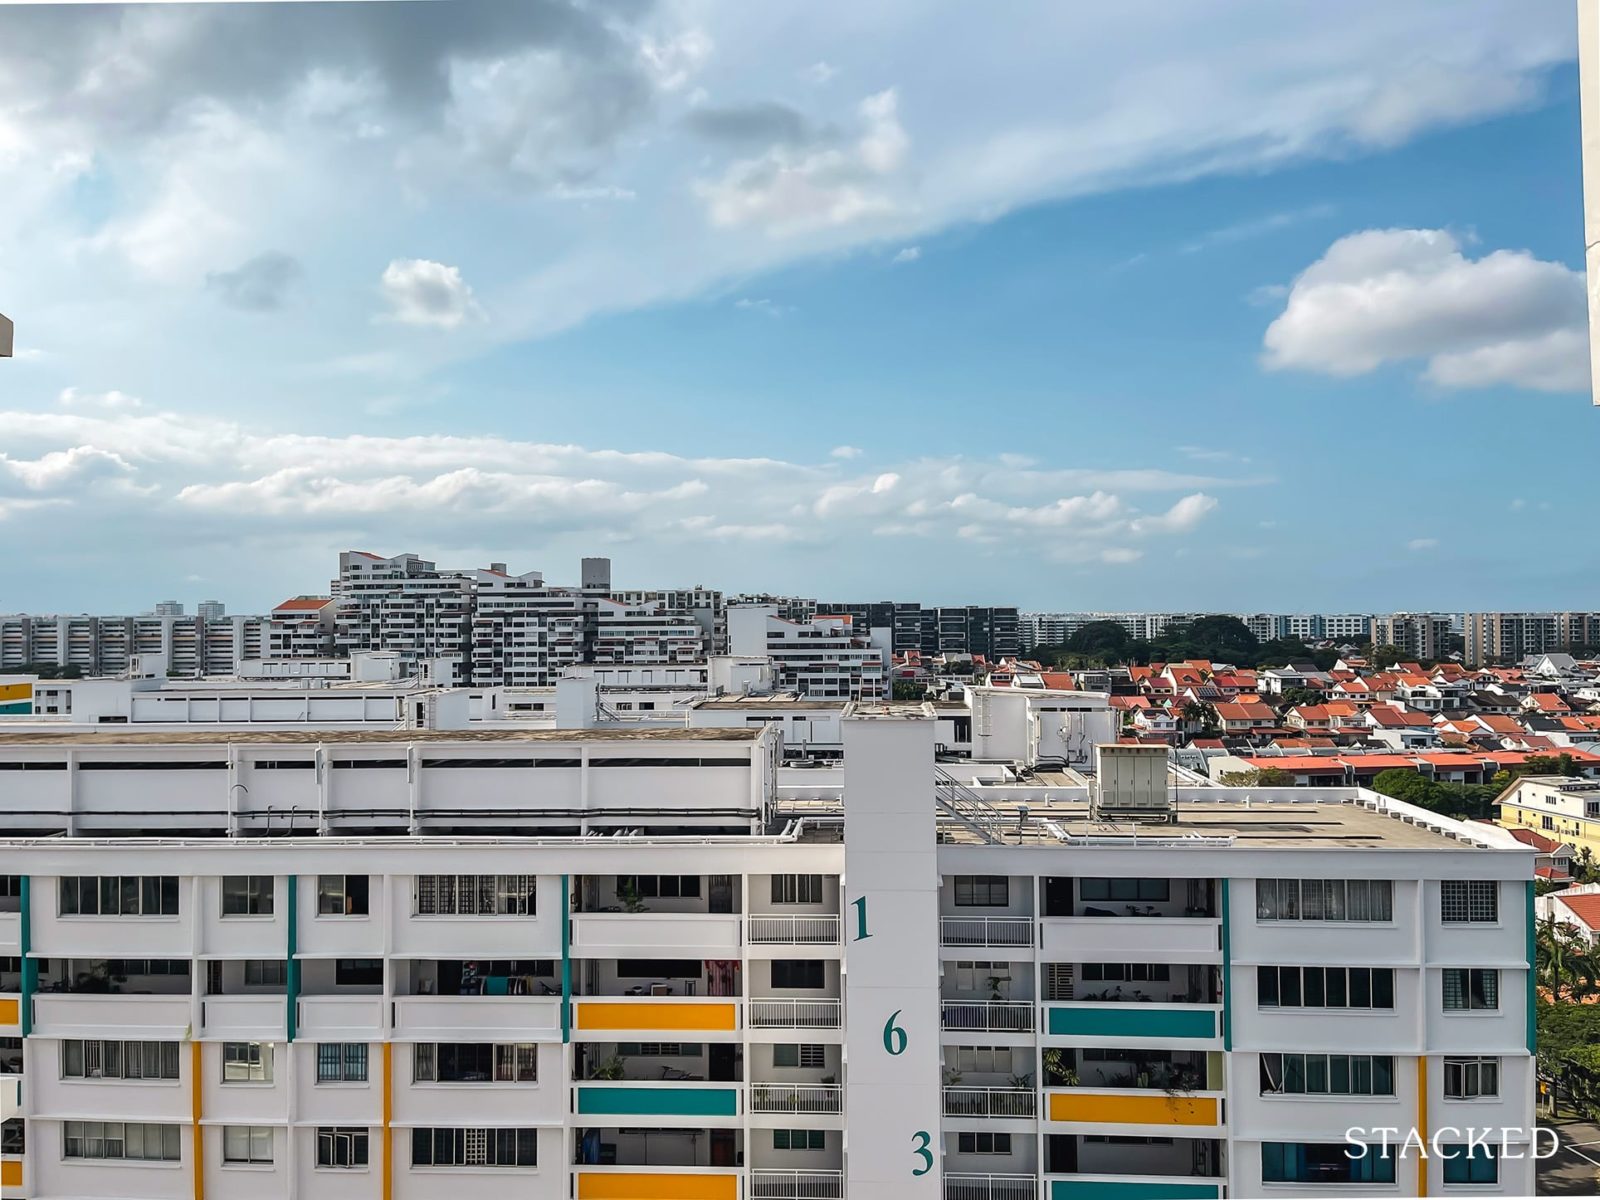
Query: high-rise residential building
{"points": [[1505, 637], [1424, 636], [210, 610], [421, 966], [823, 658], [169, 608], [903, 619]]}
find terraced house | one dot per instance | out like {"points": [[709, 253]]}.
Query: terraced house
{"points": [[622, 963]]}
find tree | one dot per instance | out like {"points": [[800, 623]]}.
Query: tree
{"points": [[1262, 777], [1105, 640], [1563, 960], [1296, 696], [1548, 764], [1406, 785], [905, 689]]}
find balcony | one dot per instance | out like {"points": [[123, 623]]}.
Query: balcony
{"points": [[470, 1018], [679, 1183], [767, 1183], [661, 935], [794, 1013], [657, 1014], [792, 930], [68, 1015], [990, 1102], [813, 1098], [245, 1018], [1163, 1023], [638, 1098], [1131, 1187], [1129, 1106], [991, 1187], [1155, 939], [339, 1018], [986, 1016], [986, 931]]}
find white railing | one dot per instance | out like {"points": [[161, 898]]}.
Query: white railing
{"points": [[988, 1016], [792, 930], [991, 1187], [989, 1102], [796, 1098], [791, 1013], [986, 931], [767, 1183]]}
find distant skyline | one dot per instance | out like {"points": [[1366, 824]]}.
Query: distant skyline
{"points": [[1253, 314]]}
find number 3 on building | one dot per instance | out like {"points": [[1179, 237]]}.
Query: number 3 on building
{"points": [[923, 1141]]}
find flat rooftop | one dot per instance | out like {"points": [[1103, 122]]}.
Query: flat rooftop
{"points": [[132, 736]]}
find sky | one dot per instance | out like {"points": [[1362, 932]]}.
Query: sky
{"points": [[1138, 306]]}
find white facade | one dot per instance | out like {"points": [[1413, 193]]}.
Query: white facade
{"points": [[821, 658]]}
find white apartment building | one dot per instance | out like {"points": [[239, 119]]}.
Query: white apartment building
{"points": [[819, 658], [1507, 637], [266, 965], [1416, 635], [643, 632]]}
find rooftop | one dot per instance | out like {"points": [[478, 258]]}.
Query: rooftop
{"points": [[126, 736]]}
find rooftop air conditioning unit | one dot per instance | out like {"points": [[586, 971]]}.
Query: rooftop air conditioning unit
{"points": [[1131, 784]]}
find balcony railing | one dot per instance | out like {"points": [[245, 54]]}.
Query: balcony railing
{"points": [[793, 930], [989, 1102], [988, 1016], [796, 1098], [986, 931], [767, 1183], [790, 1013], [991, 1187]]}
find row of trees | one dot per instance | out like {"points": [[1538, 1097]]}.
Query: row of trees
{"points": [[1219, 637], [1567, 970]]}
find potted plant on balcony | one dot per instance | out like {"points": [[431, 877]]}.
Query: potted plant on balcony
{"points": [[628, 896], [1056, 1071], [610, 1068]]}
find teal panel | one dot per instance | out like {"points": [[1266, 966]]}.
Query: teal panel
{"points": [[292, 969], [658, 1102], [1533, 994], [1134, 1189], [17, 708], [1227, 974], [30, 966], [1132, 1020]]}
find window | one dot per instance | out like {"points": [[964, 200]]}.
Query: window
{"points": [[357, 972], [475, 1147], [797, 973], [342, 895], [265, 972], [120, 1140], [475, 1062], [1470, 1078], [1325, 987], [988, 1060], [477, 895], [1126, 972], [658, 968], [1463, 901], [119, 895], [1327, 1075], [797, 889], [1324, 1162], [650, 887], [983, 1143], [1324, 900], [799, 1055], [247, 895], [982, 891], [247, 1143], [341, 1146], [246, 1062], [119, 1060], [1124, 889], [799, 1139], [1471, 988], [13, 1136], [341, 1062], [1475, 1164], [660, 1049], [11, 1055]]}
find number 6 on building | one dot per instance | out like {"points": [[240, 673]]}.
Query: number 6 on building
{"points": [[894, 1038]]}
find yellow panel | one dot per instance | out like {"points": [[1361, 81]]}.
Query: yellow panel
{"points": [[621, 1186], [12, 692], [10, 1011], [1133, 1110], [11, 1173], [643, 1014]]}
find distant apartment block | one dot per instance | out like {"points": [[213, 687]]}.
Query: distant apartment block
{"points": [[1505, 637], [1425, 636], [824, 658], [992, 633]]}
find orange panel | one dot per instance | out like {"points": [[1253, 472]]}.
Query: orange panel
{"points": [[11, 1173], [10, 1011], [1099, 1108], [593, 1185], [646, 1014]]}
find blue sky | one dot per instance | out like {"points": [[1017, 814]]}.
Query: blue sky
{"points": [[1229, 310]]}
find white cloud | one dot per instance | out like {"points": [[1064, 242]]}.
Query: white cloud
{"points": [[1120, 554], [1182, 516], [72, 398], [422, 292], [907, 254], [763, 305], [1395, 295], [845, 452], [1423, 543], [819, 73]]}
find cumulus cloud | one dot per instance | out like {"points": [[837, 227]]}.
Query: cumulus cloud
{"points": [[907, 254], [422, 292], [73, 398], [795, 187], [845, 452], [259, 285], [1422, 543], [1399, 295]]}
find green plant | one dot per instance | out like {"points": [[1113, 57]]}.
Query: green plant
{"points": [[1056, 1071], [1021, 1083], [951, 1077], [628, 896], [610, 1068], [993, 983]]}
